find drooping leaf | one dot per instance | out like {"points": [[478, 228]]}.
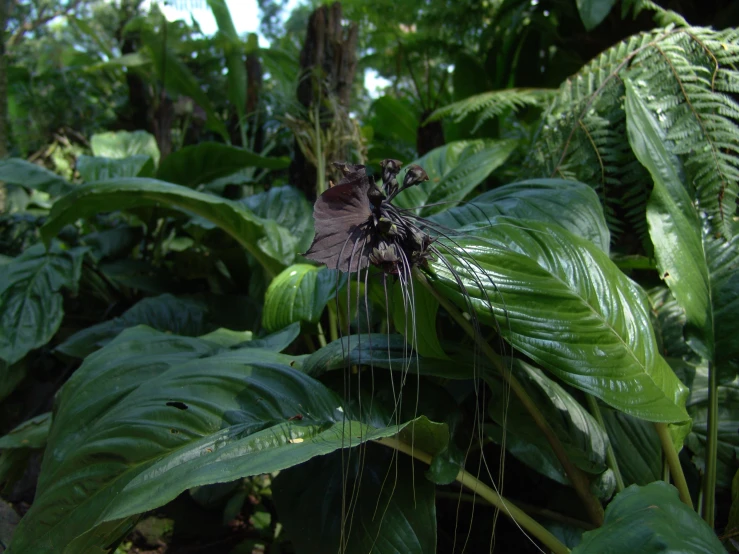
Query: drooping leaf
{"points": [[389, 351], [29, 434], [415, 318], [636, 445], [151, 415], [167, 313], [299, 293], [96, 168], [560, 300], [122, 144], [580, 434], [30, 297], [454, 170], [15, 171], [397, 515], [593, 12], [674, 224], [204, 162], [727, 461], [572, 205], [650, 519], [261, 238]]}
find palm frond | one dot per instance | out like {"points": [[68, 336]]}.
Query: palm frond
{"points": [[493, 104], [688, 75]]}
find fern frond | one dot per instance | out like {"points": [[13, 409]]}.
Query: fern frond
{"points": [[493, 104], [687, 75]]}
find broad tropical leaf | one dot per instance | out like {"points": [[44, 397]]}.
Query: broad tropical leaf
{"points": [[151, 415], [31, 299], [561, 301], [650, 519], [97, 168], [123, 144]]}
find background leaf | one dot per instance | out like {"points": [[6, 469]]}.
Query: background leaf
{"points": [[96, 168], [122, 144], [650, 519], [30, 297], [15, 171], [593, 12]]}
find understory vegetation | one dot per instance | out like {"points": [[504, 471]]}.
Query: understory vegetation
{"points": [[526, 339]]}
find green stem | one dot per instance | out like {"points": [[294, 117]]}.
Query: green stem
{"points": [[320, 162], [321, 336], [610, 454], [485, 492], [333, 328], [709, 478], [577, 477], [673, 462]]}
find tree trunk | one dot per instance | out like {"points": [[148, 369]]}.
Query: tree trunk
{"points": [[328, 63], [254, 74]]}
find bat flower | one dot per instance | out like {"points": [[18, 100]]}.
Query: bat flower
{"points": [[357, 225]]}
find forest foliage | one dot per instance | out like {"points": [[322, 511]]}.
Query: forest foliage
{"points": [[554, 368]]}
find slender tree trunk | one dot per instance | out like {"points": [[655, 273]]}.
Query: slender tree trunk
{"points": [[254, 74], [328, 63]]}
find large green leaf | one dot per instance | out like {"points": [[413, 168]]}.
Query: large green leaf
{"points": [[593, 12], [723, 267], [580, 434], [29, 434], [388, 351], [636, 445], [96, 168], [674, 224], [454, 170], [201, 163], [560, 300], [414, 316], [262, 238], [15, 171], [399, 512], [30, 297], [180, 316], [122, 144], [152, 415], [299, 293], [287, 207], [575, 206], [728, 423], [650, 519]]}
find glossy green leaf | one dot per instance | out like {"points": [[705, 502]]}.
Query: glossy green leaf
{"points": [[287, 207], [30, 297], [152, 415], [583, 439], [15, 171], [572, 205], [414, 316], [650, 519], [732, 526], [261, 238], [454, 170], [122, 144], [96, 168], [29, 434], [674, 224], [636, 445], [593, 12], [387, 516], [299, 293], [723, 267], [204, 162], [728, 423], [395, 118], [179, 316], [560, 300], [388, 351]]}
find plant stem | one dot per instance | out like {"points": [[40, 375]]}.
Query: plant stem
{"points": [[333, 329], [577, 477], [673, 462], [610, 454], [321, 335], [320, 161], [485, 492], [709, 478]]}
